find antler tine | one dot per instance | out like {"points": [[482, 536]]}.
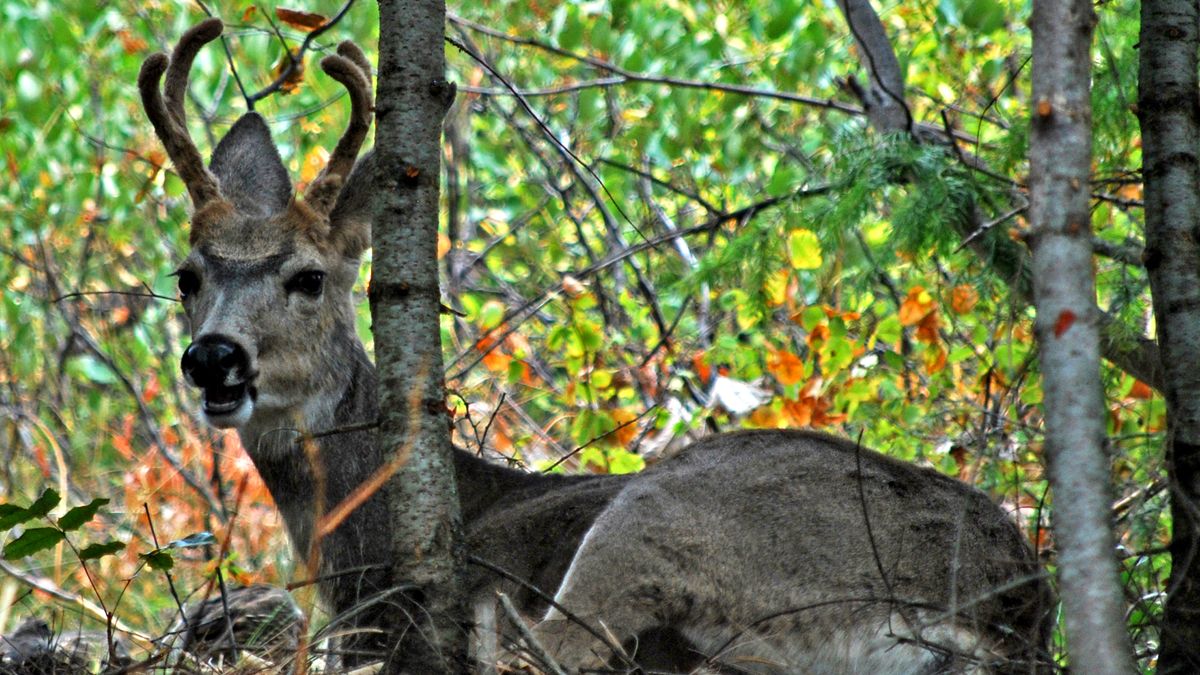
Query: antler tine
{"points": [[352, 51], [351, 68], [170, 128], [185, 52]]}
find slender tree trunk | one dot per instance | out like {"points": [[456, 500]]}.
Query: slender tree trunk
{"points": [[429, 628], [1067, 328], [1168, 111]]}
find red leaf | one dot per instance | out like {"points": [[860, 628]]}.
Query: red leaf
{"points": [[1066, 319], [305, 21]]}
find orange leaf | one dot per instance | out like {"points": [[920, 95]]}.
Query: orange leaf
{"points": [[766, 417], [963, 298], [927, 329], [916, 306], [799, 413], [300, 20], [1140, 390], [246, 15], [935, 360], [700, 365], [150, 391], [786, 367], [132, 44], [496, 361], [296, 77], [443, 245], [627, 428], [819, 334]]}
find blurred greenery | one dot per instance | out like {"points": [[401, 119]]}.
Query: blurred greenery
{"points": [[822, 275]]}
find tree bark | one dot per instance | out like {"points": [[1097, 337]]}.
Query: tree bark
{"points": [[430, 629], [1169, 116], [1067, 328]]}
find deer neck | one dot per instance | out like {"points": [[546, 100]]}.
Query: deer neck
{"points": [[334, 463], [308, 477]]}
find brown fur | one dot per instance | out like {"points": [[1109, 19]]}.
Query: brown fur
{"points": [[765, 551]]}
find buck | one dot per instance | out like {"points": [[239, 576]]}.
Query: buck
{"points": [[754, 551]]}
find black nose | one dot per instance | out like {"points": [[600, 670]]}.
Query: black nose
{"points": [[214, 361]]}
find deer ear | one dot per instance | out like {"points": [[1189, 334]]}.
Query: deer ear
{"points": [[350, 220], [248, 166]]}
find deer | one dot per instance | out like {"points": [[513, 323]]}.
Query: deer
{"points": [[755, 551]]}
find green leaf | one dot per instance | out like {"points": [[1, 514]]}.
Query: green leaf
{"points": [[33, 540], [173, 186], [194, 540], [92, 369], [491, 314], [96, 551], [159, 560], [76, 517], [984, 16], [804, 249], [623, 461], [11, 515], [781, 22], [45, 503]]}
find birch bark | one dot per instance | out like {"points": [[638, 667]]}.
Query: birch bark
{"points": [[429, 631], [1068, 333]]}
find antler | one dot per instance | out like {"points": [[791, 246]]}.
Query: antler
{"points": [[351, 68], [168, 117]]}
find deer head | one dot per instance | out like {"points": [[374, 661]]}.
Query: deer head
{"points": [[267, 284]]}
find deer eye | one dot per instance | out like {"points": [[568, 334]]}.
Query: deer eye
{"points": [[308, 282], [189, 283]]}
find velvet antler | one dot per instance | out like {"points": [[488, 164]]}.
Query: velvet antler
{"points": [[350, 67], [167, 115]]}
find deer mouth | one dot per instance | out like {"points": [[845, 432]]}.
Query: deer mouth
{"points": [[221, 400]]}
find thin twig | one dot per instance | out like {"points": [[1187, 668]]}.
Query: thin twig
{"points": [[534, 645], [297, 57]]}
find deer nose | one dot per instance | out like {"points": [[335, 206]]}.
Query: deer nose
{"points": [[214, 361]]}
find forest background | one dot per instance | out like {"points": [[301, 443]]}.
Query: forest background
{"points": [[659, 219]]}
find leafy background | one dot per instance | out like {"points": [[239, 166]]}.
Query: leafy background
{"points": [[822, 281]]}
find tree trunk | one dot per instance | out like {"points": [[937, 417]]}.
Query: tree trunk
{"points": [[1168, 111], [1067, 329], [429, 629]]}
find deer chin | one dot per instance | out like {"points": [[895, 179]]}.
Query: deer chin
{"points": [[227, 407]]}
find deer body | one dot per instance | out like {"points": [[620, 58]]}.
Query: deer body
{"points": [[763, 551]]}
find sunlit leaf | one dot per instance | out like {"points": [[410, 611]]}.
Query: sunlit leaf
{"points": [[804, 249]]}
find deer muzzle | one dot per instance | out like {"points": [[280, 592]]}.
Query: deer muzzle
{"points": [[220, 367]]}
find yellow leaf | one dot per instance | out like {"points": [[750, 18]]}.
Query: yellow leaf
{"points": [[314, 161], [775, 287], [443, 245], [804, 249]]}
